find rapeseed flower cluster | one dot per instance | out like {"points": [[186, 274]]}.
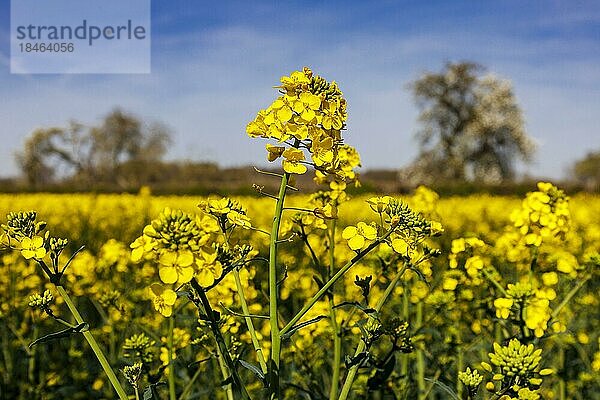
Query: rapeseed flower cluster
{"points": [[516, 367], [186, 247], [472, 380], [470, 254], [543, 214], [41, 301], [308, 117], [139, 347], [534, 305]]}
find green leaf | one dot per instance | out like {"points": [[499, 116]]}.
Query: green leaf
{"points": [[319, 281], [227, 381], [356, 304], [445, 387], [355, 360], [256, 370], [296, 328], [150, 391], [61, 334], [193, 364]]}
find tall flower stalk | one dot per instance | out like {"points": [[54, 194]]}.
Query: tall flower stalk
{"points": [[273, 292]]}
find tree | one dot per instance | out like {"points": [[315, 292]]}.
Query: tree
{"points": [[586, 171], [51, 152], [472, 126], [95, 154]]}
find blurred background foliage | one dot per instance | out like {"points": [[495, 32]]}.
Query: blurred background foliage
{"points": [[472, 138]]}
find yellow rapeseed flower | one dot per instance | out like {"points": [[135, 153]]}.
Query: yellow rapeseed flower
{"points": [[176, 266], [306, 104], [208, 267], [33, 248], [449, 284], [379, 204], [550, 278], [239, 219], [322, 151], [401, 247], [139, 247], [503, 306], [358, 236], [291, 163], [274, 152], [163, 299]]}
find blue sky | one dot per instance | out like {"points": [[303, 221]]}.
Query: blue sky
{"points": [[213, 66]]}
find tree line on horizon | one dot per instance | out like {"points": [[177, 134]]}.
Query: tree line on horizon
{"points": [[471, 133]]}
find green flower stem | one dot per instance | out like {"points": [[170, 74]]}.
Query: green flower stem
{"points": [[555, 313], [405, 316], [361, 345], [491, 279], [94, 345], [273, 292], [522, 323], [317, 296], [32, 358], [224, 373], [497, 333], [337, 333], [569, 296], [562, 389], [6, 353], [257, 348], [172, 395], [337, 353], [238, 387], [188, 387], [459, 363], [240, 289], [432, 384], [420, 355]]}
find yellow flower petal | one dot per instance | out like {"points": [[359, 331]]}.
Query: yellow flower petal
{"points": [[308, 114], [400, 246], [369, 232], [169, 296], [167, 274], [28, 253], [205, 278], [449, 284], [274, 152], [185, 258], [185, 274], [137, 254], [298, 106], [157, 289], [166, 311], [26, 243], [293, 168], [356, 242], [37, 241], [284, 114], [348, 232], [168, 258]]}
